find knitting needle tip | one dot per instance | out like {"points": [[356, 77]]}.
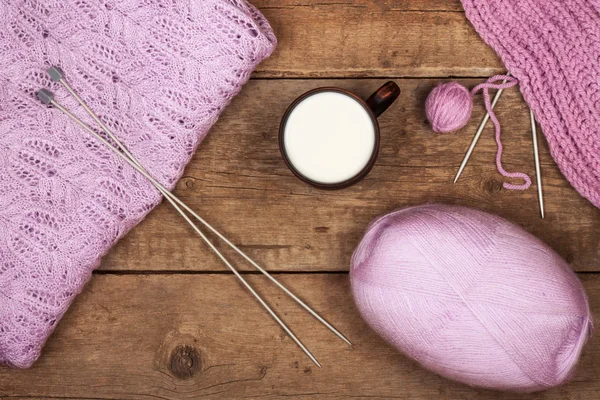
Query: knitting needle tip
{"points": [[317, 363], [478, 133], [536, 156]]}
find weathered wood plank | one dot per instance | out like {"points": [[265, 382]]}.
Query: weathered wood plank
{"points": [[374, 38], [395, 5], [123, 340], [239, 183]]}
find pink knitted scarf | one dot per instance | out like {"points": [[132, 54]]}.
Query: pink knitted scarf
{"points": [[158, 73], [553, 48]]}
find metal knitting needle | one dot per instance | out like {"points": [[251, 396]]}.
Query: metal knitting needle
{"points": [[536, 155], [48, 98], [57, 75], [478, 134]]}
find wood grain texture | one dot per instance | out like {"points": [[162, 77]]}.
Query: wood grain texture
{"points": [[395, 38], [395, 5], [239, 182], [202, 336]]}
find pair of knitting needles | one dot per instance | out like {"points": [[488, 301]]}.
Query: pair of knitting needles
{"points": [[536, 154], [47, 97]]}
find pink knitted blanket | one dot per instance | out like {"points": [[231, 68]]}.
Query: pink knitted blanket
{"points": [[553, 48], [159, 73]]}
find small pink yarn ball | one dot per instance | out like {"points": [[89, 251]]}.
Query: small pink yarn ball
{"points": [[471, 297], [449, 107]]}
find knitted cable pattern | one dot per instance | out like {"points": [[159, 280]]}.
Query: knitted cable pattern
{"points": [[159, 73], [553, 48]]}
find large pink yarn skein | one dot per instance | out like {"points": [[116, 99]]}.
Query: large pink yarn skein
{"points": [[471, 297]]}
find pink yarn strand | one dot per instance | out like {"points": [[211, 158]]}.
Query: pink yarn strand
{"points": [[485, 87]]}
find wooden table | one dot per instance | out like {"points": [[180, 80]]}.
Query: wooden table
{"points": [[163, 319]]}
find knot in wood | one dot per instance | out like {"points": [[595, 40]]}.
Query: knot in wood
{"points": [[492, 186], [185, 362]]}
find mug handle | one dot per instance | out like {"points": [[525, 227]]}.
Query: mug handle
{"points": [[383, 98]]}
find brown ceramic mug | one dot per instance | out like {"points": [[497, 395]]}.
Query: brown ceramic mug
{"points": [[329, 137]]}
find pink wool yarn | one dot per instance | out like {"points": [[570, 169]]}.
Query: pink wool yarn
{"points": [[449, 107], [552, 47], [471, 297], [159, 73]]}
